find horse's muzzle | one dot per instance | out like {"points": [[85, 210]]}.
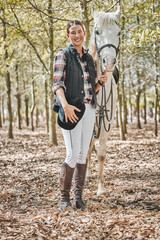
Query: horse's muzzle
{"points": [[108, 64]]}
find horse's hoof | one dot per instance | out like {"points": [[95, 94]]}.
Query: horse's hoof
{"points": [[101, 192]]}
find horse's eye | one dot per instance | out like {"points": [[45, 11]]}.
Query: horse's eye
{"points": [[119, 33], [97, 32]]}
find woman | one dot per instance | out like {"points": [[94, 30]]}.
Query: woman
{"points": [[74, 76]]}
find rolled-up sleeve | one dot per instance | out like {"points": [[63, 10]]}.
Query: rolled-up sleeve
{"points": [[59, 71]]}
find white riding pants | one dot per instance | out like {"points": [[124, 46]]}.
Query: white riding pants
{"points": [[78, 139]]}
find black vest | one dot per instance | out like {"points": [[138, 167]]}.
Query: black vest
{"points": [[74, 81]]}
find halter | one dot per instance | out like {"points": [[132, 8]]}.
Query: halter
{"points": [[106, 45]]}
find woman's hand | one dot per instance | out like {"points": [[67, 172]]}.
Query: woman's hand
{"points": [[103, 78], [69, 111]]}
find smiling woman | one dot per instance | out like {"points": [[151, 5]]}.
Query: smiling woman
{"points": [[75, 95]]}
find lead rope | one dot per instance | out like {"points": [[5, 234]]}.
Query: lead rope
{"points": [[103, 112]]}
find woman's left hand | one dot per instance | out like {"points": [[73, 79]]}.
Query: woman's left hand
{"points": [[103, 78]]}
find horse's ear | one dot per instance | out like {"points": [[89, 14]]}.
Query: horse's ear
{"points": [[118, 13], [94, 14]]}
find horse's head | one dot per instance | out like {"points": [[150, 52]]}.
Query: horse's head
{"points": [[106, 38]]}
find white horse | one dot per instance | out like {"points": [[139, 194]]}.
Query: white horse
{"points": [[104, 46]]}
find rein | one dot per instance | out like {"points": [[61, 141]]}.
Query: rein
{"points": [[103, 112]]}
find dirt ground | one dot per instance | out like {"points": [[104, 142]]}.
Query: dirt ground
{"points": [[29, 193]]}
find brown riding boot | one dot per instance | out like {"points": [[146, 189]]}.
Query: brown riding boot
{"points": [[79, 180], [65, 182]]}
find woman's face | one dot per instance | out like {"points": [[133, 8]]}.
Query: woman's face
{"points": [[76, 35]]}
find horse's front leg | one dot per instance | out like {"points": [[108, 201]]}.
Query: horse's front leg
{"points": [[101, 160], [89, 174]]}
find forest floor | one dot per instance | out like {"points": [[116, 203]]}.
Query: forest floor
{"points": [[29, 192]]}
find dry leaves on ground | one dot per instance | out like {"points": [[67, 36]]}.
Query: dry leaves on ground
{"points": [[29, 193]]}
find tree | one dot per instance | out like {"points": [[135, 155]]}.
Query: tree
{"points": [[41, 30], [156, 85], [18, 96], [7, 79], [52, 117]]}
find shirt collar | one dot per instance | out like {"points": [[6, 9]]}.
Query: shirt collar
{"points": [[84, 51]]}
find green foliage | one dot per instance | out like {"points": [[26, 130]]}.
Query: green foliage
{"points": [[27, 39]]}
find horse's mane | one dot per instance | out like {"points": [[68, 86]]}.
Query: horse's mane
{"points": [[106, 18]]}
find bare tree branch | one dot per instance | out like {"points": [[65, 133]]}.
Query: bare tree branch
{"points": [[113, 6], [35, 7], [27, 38]]}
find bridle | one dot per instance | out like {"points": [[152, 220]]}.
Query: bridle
{"points": [[102, 111], [106, 45]]}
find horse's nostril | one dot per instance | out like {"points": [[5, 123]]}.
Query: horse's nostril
{"points": [[114, 61], [104, 60]]}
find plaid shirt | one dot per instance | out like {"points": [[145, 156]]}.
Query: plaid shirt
{"points": [[60, 75]]}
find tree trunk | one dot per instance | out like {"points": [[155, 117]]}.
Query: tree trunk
{"points": [[9, 106], [18, 96], [8, 86], [32, 94], [138, 94], [122, 133], [26, 100], [3, 115], [123, 78], [52, 115], [156, 112], [33, 104], [159, 113], [145, 106], [0, 119], [126, 110], [1, 111], [37, 117], [156, 87], [117, 122], [46, 104], [130, 97], [85, 17], [138, 111]]}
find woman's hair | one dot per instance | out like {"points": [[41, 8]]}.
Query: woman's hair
{"points": [[74, 22]]}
